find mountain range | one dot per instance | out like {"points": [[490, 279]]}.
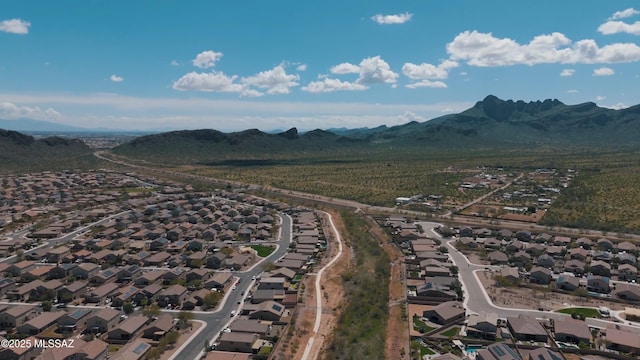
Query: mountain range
{"points": [[490, 123], [19, 152]]}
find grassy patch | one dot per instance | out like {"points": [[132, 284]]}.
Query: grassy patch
{"points": [[420, 325], [584, 312], [425, 351], [263, 251], [451, 332]]}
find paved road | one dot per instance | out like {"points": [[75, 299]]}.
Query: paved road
{"points": [[217, 320], [48, 243]]}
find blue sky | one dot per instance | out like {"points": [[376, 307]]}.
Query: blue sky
{"points": [[315, 64]]}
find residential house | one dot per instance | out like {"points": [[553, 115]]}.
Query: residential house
{"points": [[540, 275], [625, 258], [524, 235], [61, 271], [173, 295], [160, 327], [272, 283], [95, 349], [535, 249], [578, 254], [73, 291], [85, 271], [628, 247], [483, 325], [101, 293], [127, 330], [563, 241], [584, 243], [250, 326], [598, 284], [238, 342], [544, 354], [602, 255], [510, 273], [218, 281], [55, 254], [73, 318], [446, 313], [545, 260], [627, 272], [600, 268], [498, 257], [497, 351], [629, 292], [39, 323], [604, 244], [572, 331], [526, 328], [269, 311], [149, 278], [14, 316], [215, 261], [623, 341], [20, 267], [567, 282], [103, 321], [157, 259], [576, 267]]}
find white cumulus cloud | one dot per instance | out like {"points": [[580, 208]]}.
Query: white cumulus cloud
{"points": [[301, 67], [276, 80], [206, 59], [392, 19], [484, 49], [12, 111], [616, 27], [116, 78], [213, 81], [424, 73], [15, 26], [567, 72], [426, 83], [345, 68], [330, 85], [374, 70], [624, 14], [603, 71]]}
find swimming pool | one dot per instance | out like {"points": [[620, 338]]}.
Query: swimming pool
{"points": [[472, 348]]}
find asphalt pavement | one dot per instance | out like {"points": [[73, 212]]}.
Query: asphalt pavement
{"points": [[217, 320]]}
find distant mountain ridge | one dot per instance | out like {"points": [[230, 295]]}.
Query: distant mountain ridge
{"points": [[23, 152], [492, 122], [29, 125]]}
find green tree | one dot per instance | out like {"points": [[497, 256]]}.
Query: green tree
{"points": [[183, 318], [46, 305], [127, 308], [151, 310], [268, 266], [211, 300]]}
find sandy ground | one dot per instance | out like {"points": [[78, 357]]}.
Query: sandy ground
{"points": [[525, 298], [413, 309], [397, 331], [331, 285]]}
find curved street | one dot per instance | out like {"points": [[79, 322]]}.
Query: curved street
{"points": [[476, 298], [214, 321]]}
